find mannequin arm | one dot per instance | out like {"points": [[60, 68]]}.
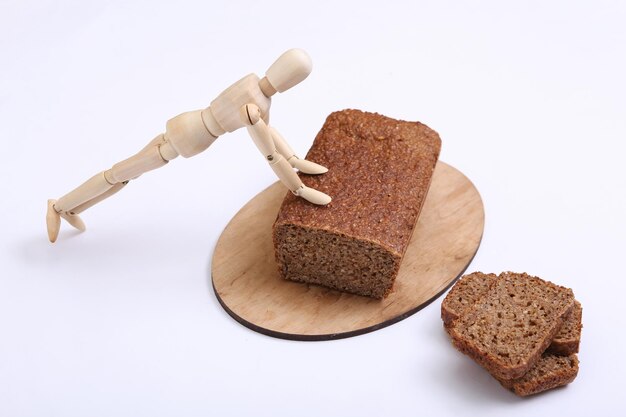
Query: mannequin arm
{"points": [[303, 165], [264, 140]]}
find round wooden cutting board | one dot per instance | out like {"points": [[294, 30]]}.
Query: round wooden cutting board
{"points": [[247, 284]]}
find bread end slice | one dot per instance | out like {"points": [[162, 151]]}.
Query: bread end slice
{"points": [[551, 371], [567, 340]]}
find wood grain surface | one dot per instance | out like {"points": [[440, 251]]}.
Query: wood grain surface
{"points": [[247, 284]]}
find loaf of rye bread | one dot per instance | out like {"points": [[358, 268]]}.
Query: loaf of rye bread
{"points": [[471, 287], [379, 173], [551, 371], [508, 329]]}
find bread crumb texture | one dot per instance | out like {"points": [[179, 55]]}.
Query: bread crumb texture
{"points": [[551, 371], [471, 287], [506, 322], [379, 173], [509, 328]]}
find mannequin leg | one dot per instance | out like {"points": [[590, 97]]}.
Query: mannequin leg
{"points": [[104, 185]]}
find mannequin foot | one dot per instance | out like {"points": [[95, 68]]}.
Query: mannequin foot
{"points": [[74, 220], [53, 221]]}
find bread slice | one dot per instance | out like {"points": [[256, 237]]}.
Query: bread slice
{"points": [[467, 290], [507, 330], [567, 340], [470, 288], [551, 371]]}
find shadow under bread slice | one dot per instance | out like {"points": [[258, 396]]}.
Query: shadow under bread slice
{"points": [[507, 330], [471, 287]]}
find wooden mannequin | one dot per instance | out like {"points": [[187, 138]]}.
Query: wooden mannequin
{"points": [[245, 103]]}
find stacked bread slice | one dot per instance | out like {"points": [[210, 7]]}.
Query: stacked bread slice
{"points": [[525, 331]]}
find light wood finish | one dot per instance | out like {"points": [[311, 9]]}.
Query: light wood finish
{"points": [[285, 150], [193, 132], [261, 136], [187, 134], [167, 151], [225, 108], [264, 141], [286, 174], [53, 221], [91, 188], [312, 195], [247, 283], [114, 189], [308, 167], [281, 144], [74, 220], [266, 87], [289, 69], [146, 160], [211, 124], [154, 143]]}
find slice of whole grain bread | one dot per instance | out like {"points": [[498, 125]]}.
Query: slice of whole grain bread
{"points": [[567, 340], [471, 287], [511, 325], [551, 371], [465, 292]]}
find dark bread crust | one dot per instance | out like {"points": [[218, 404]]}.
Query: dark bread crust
{"points": [[472, 287], [507, 330], [551, 371], [379, 174]]}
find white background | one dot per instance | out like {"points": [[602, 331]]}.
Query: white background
{"points": [[529, 99]]}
